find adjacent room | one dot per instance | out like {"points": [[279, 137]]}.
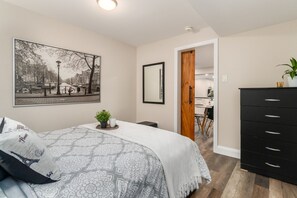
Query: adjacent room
{"points": [[204, 90], [148, 99]]}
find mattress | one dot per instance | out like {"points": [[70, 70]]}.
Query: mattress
{"points": [[98, 164]]}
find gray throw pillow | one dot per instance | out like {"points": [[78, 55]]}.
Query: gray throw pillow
{"points": [[24, 156]]}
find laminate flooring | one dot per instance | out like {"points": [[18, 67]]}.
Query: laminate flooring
{"points": [[229, 181]]}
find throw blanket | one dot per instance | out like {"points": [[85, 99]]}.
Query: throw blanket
{"points": [[181, 159]]}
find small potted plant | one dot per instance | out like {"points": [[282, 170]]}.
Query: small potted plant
{"points": [[292, 72], [102, 117]]}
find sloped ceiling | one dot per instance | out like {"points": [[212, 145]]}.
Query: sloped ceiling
{"points": [[137, 22], [233, 16]]}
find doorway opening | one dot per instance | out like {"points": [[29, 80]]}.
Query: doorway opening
{"points": [[206, 93]]}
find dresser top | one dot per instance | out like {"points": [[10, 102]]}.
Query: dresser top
{"points": [[257, 88]]}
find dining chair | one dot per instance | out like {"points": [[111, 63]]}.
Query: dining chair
{"points": [[198, 117], [210, 118]]}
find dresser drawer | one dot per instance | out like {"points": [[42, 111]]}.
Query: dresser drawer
{"points": [[273, 148], [269, 114], [270, 131], [269, 165], [269, 97]]}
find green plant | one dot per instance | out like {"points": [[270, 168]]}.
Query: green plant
{"points": [[293, 68], [103, 116]]}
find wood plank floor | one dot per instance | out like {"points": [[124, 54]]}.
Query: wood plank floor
{"points": [[229, 181]]}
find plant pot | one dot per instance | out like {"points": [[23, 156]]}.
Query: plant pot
{"points": [[292, 82], [103, 125]]}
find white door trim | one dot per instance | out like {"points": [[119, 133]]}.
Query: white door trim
{"points": [[216, 85]]}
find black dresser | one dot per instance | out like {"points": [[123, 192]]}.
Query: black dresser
{"points": [[269, 132]]}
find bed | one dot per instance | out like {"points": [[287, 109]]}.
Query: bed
{"points": [[131, 161]]}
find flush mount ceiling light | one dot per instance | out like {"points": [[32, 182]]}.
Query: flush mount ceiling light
{"points": [[107, 4], [189, 28]]}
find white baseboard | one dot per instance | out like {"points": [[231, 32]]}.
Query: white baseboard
{"points": [[235, 153]]}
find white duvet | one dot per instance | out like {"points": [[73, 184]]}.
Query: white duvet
{"points": [[183, 165]]}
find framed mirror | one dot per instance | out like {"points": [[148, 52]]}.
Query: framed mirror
{"points": [[153, 83]]}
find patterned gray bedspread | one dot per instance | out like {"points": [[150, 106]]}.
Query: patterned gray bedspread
{"points": [[101, 165]]}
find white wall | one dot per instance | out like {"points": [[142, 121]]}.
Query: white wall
{"points": [[249, 60], [202, 85], [202, 82], [118, 70], [158, 52]]}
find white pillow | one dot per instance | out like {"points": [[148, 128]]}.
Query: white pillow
{"points": [[24, 156], [12, 125]]}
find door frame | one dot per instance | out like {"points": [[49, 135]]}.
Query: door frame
{"points": [[177, 84]]}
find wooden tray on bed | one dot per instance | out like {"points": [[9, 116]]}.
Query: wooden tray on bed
{"points": [[107, 127]]}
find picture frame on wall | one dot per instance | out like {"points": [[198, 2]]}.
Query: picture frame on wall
{"points": [[47, 75]]}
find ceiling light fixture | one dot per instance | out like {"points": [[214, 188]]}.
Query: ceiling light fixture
{"points": [[189, 28], [107, 4]]}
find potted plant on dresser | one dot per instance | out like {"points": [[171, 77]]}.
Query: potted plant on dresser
{"points": [[102, 117], [292, 72]]}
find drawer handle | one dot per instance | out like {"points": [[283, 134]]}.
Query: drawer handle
{"points": [[272, 116], [272, 100], [272, 149], [272, 165], [272, 132]]}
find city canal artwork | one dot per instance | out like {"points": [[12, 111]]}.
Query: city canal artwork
{"points": [[45, 75]]}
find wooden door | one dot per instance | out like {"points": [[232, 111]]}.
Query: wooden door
{"points": [[188, 94]]}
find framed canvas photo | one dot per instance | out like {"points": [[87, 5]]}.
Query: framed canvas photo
{"points": [[46, 75]]}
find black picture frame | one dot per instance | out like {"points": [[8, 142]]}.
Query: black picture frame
{"points": [[48, 75], [158, 82]]}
